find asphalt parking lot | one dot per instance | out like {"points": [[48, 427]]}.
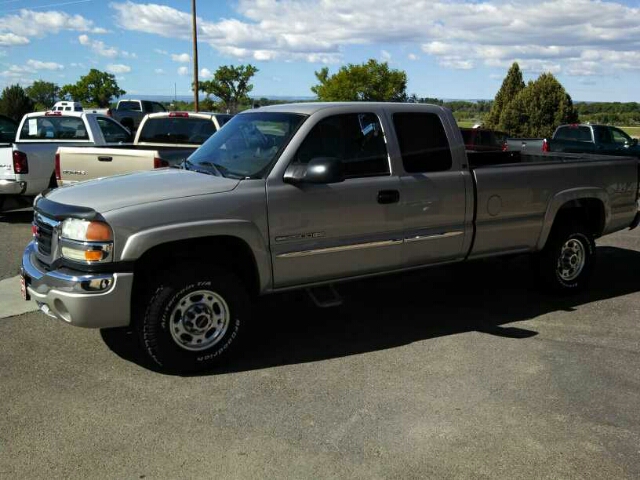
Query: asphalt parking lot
{"points": [[463, 372]]}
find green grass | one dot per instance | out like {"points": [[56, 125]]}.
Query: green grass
{"points": [[633, 131], [466, 123]]}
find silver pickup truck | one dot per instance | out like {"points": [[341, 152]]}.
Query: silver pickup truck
{"points": [[303, 196]]}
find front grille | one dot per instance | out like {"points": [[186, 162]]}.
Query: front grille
{"points": [[44, 234]]}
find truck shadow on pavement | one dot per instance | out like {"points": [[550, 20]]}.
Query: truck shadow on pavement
{"points": [[17, 216], [388, 312]]}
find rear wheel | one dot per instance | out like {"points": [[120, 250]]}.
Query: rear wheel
{"points": [[567, 261], [192, 321]]}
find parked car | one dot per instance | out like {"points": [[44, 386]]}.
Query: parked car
{"points": [[592, 138], [27, 165], [8, 129], [303, 196], [163, 139], [131, 112], [483, 139]]}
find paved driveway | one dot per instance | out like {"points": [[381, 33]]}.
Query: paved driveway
{"points": [[463, 372]]}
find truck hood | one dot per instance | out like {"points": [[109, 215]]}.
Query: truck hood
{"points": [[111, 193]]}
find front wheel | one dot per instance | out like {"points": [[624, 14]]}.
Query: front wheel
{"points": [[568, 259], [193, 321]]}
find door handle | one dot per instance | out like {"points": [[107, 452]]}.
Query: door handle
{"points": [[388, 196], [105, 159]]}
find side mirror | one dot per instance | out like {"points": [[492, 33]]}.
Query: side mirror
{"points": [[319, 170]]}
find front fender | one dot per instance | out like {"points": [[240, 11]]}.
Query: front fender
{"points": [[565, 196], [140, 242]]}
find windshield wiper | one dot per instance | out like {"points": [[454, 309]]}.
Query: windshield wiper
{"points": [[192, 167]]}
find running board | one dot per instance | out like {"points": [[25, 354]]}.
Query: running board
{"points": [[325, 297]]}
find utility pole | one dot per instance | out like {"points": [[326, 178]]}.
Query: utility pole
{"points": [[196, 93]]}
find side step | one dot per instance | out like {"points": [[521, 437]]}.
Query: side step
{"points": [[325, 296]]}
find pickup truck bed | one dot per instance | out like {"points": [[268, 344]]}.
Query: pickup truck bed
{"points": [[163, 139]]}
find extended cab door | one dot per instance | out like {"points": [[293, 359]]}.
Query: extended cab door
{"points": [[354, 227], [435, 188]]}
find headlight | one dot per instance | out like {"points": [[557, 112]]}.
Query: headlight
{"points": [[85, 231], [84, 241]]}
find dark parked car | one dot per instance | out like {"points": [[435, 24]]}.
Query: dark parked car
{"points": [[483, 140], [8, 129]]}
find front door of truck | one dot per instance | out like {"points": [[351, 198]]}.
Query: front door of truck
{"points": [[336, 230], [433, 190]]}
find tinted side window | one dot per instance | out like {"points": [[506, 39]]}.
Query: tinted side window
{"points": [[54, 128], [112, 132], [356, 139], [423, 142], [620, 137], [157, 108]]}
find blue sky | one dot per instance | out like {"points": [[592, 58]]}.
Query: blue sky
{"points": [[449, 49]]}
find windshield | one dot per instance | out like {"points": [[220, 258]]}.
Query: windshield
{"points": [[247, 145]]}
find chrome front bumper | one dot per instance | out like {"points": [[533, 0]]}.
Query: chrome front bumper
{"points": [[12, 187], [97, 300]]}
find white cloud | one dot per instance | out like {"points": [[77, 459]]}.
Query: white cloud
{"points": [[118, 68], [459, 34], [161, 52], [181, 57], [206, 73], [38, 65], [159, 71], [413, 57], [385, 56], [100, 48], [11, 39], [183, 71], [29, 23]]}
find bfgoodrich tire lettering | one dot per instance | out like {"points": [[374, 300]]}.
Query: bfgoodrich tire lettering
{"points": [[193, 320]]}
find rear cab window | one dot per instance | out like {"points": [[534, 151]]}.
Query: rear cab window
{"points": [[356, 139], [129, 106], [423, 142], [54, 128], [178, 130], [573, 133]]}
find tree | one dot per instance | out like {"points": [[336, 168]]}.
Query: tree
{"points": [[371, 81], [96, 89], [538, 109], [15, 103], [43, 94], [511, 86], [231, 85]]}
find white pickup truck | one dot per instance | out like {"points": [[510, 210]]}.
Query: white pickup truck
{"points": [[27, 166], [163, 139]]}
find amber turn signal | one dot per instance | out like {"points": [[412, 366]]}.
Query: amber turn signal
{"points": [[98, 232]]}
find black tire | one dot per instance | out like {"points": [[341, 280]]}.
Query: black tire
{"points": [[567, 243], [159, 330]]}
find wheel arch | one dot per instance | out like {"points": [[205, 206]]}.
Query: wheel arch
{"points": [[589, 205], [236, 245]]}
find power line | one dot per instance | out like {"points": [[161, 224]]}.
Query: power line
{"points": [[38, 7]]}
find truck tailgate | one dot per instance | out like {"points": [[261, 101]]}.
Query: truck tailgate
{"points": [[81, 163], [6, 163]]}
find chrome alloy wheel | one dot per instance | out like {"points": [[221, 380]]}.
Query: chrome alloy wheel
{"points": [[572, 260], [199, 320]]}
